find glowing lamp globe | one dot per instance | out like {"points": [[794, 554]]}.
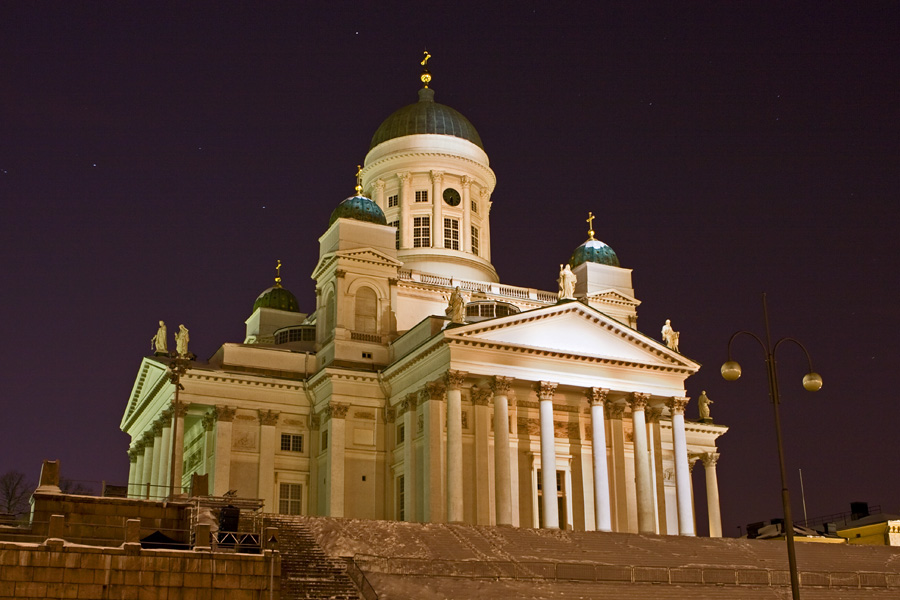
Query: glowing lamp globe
{"points": [[812, 382], [731, 370]]}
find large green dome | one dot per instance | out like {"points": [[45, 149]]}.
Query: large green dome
{"points": [[359, 208], [426, 116], [277, 297], [594, 251]]}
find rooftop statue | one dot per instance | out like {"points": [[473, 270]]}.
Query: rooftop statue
{"points": [[456, 308], [181, 341], [158, 341], [566, 281], [670, 336], [703, 403]]}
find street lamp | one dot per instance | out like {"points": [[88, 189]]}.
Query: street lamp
{"points": [[812, 381]]}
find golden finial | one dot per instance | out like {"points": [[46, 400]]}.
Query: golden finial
{"points": [[278, 275], [426, 76], [590, 222], [359, 180]]}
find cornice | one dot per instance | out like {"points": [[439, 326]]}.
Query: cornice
{"points": [[491, 177]]}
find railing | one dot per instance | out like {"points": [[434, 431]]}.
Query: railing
{"points": [[365, 337], [510, 291], [841, 517], [360, 581]]}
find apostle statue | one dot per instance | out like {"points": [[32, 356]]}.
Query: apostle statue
{"points": [[566, 281], [158, 341], [670, 336], [181, 340], [456, 308], [703, 403]]}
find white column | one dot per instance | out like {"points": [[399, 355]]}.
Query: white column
{"points": [[435, 479], [682, 470], [643, 487], [165, 457], [209, 445], [147, 468], [222, 471], [268, 419], [180, 410], [548, 456], [656, 467], [408, 412], [379, 195], [619, 496], [405, 220], [485, 224], [437, 226], [481, 399], [335, 458], [155, 488], [454, 379], [466, 233], [132, 472], [712, 493], [602, 508], [514, 460], [502, 482]]}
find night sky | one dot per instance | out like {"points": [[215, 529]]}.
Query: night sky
{"points": [[156, 161]]}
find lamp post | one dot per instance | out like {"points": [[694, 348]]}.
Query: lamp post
{"points": [[812, 381]]}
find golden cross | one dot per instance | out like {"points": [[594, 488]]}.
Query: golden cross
{"points": [[424, 63], [359, 180], [590, 222], [278, 274], [426, 76]]}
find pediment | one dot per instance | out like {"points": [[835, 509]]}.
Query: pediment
{"points": [[572, 329], [363, 255], [613, 296], [151, 377]]}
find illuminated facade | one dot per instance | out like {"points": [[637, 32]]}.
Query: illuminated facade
{"points": [[375, 405]]}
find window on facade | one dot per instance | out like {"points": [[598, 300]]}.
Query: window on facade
{"points": [[329, 317], [291, 442], [561, 503], [396, 233], [290, 498], [366, 310], [401, 433], [401, 499], [421, 232], [474, 206], [393, 201], [475, 240], [451, 234], [421, 195]]}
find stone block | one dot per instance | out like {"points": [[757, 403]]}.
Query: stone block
{"points": [[30, 589], [752, 577], [7, 589], [64, 559], [198, 580], [90, 590], [176, 578], [232, 566], [148, 592], [132, 578], [872, 580], [613, 573], [49, 574], [18, 573], [9, 557], [93, 561], [842, 579], [651, 574], [26, 558], [686, 575], [41, 558], [80, 576]]}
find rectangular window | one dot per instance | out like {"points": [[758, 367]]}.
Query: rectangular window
{"points": [[474, 207], [421, 195], [393, 201], [290, 498], [401, 499], [325, 440], [396, 234], [421, 232], [451, 234], [475, 240], [401, 433], [291, 442]]}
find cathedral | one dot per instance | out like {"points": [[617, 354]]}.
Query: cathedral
{"points": [[423, 389]]}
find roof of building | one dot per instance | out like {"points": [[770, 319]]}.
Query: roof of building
{"points": [[277, 297], [359, 208], [426, 116], [594, 251]]}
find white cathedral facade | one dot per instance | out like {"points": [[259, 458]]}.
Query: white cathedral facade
{"points": [[529, 411]]}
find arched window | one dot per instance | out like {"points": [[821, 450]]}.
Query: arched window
{"points": [[366, 311], [329, 316]]}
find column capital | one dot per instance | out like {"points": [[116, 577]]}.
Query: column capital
{"points": [[638, 401], [165, 416], [138, 446], [314, 421], [132, 455], [390, 414], [379, 184], [224, 413], [677, 404], [693, 457], [500, 384], [709, 459], [434, 390], [597, 396], [454, 379], [409, 403], [156, 429], [268, 418], [147, 438], [404, 177], [653, 414], [209, 420], [615, 410], [337, 410], [179, 408], [467, 181], [481, 397], [546, 389], [437, 177]]}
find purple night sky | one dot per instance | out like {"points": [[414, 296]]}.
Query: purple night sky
{"points": [[155, 162]]}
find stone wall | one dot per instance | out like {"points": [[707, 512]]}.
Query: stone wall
{"points": [[56, 569]]}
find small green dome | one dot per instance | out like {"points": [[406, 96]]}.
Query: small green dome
{"points": [[594, 251], [359, 208], [277, 297], [426, 116]]}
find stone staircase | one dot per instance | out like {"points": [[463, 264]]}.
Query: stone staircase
{"points": [[307, 573]]}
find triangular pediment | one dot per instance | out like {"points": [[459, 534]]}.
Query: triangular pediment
{"points": [[572, 329], [363, 255], [613, 296], [151, 377]]}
